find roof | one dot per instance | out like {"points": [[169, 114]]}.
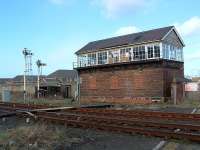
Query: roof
{"points": [[63, 74], [20, 78], [50, 82], [135, 38], [4, 80]]}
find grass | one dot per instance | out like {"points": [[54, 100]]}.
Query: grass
{"points": [[171, 146], [35, 136], [3, 135], [69, 102], [190, 103]]}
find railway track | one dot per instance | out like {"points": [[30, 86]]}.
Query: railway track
{"points": [[138, 114], [122, 121], [188, 131], [137, 122]]}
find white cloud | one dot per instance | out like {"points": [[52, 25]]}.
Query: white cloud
{"points": [[114, 7], [189, 27], [127, 30]]}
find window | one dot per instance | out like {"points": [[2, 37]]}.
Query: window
{"points": [[114, 82], [156, 51], [141, 52], [172, 52], [92, 83], [135, 53], [125, 54], [114, 56], [150, 51], [165, 51], [102, 57], [82, 60], [92, 59], [178, 55], [181, 54]]}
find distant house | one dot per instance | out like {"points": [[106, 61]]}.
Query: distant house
{"points": [[192, 89], [3, 82], [60, 84], [135, 68], [16, 86]]}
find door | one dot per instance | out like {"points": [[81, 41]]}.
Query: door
{"points": [[67, 92]]}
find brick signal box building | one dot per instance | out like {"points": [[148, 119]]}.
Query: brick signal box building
{"points": [[135, 68]]}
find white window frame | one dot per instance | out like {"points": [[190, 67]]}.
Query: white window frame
{"points": [[126, 51], [91, 62], [150, 45], [106, 60], [158, 45]]}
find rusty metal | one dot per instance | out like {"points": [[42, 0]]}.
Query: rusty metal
{"points": [[138, 114], [125, 129], [124, 121]]}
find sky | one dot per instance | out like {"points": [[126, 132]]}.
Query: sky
{"points": [[55, 29]]}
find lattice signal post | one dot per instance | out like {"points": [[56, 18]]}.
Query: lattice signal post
{"points": [[39, 65], [27, 68]]}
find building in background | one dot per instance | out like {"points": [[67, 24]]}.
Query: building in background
{"points": [[135, 68], [4, 93], [60, 84], [16, 87], [192, 89]]}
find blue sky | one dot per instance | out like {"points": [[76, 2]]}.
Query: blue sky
{"points": [[55, 29]]}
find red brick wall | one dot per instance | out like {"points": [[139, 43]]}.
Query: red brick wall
{"points": [[171, 72], [137, 83]]}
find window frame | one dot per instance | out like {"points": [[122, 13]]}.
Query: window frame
{"points": [[102, 57], [150, 52], [157, 54], [142, 52], [91, 59]]}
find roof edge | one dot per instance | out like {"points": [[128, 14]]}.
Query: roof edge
{"points": [[170, 29], [102, 49], [178, 35]]}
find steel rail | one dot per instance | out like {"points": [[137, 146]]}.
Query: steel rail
{"points": [[113, 121], [121, 121], [124, 129], [141, 114]]}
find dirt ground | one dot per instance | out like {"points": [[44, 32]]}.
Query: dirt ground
{"points": [[16, 134]]}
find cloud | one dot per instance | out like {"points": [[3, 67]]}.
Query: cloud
{"points": [[127, 30], [112, 8], [190, 27]]}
